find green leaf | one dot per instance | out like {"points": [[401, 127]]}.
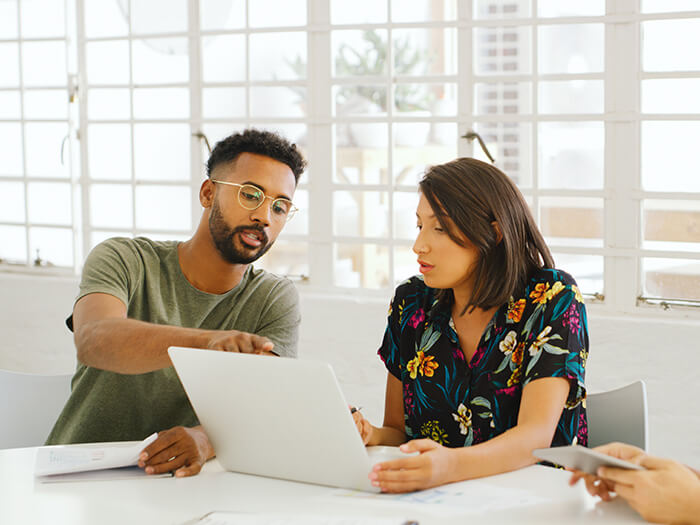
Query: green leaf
{"points": [[481, 402], [533, 361], [551, 349], [503, 365]]}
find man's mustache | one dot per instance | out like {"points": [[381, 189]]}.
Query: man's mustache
{"points": [[256, 227]]}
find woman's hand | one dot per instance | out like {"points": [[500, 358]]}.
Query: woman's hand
{"points": [[432, 467], [666, 492], [364, 427], [598, 486]]}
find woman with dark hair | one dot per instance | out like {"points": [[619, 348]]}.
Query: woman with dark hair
{"points": [[486, 350]]}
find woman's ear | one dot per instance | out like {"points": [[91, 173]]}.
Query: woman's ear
{"points": [[497, 228]]}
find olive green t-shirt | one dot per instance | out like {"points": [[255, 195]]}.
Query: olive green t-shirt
{"points": [[146, 276]]}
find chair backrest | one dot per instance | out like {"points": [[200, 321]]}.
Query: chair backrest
{"points": [[618, 415], [30, 406]]}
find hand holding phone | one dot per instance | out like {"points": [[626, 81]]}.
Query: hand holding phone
{"points": [[581, 458]]}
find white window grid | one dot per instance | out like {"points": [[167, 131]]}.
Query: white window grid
{"points": [[622, 119]]}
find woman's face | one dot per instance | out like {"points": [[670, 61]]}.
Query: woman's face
{"points": [[443, 262]]}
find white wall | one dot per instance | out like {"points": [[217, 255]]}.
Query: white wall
{"points": [[347, 332]]}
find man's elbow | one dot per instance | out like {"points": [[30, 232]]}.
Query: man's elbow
{"points": [[83, 338]]}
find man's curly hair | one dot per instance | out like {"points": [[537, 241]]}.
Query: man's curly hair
{"points": [[260, 142]]}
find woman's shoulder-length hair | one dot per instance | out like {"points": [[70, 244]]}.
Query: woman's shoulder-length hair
{"points": [[468, 196]]}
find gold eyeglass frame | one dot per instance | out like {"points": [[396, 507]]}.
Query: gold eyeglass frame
{"points": [[292, 210]]}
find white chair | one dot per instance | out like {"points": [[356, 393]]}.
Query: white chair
{"points": [[30, 406], [618, 415]]}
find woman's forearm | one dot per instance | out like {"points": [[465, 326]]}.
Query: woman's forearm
{"points": [[387, 435], [509, 451]]}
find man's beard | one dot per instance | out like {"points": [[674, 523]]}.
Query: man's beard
{"points": [[223, 236]]}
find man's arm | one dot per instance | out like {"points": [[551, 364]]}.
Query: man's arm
{"points": [[106, 339]]}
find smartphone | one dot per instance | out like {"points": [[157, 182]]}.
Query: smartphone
{"points": [[582, 458]]}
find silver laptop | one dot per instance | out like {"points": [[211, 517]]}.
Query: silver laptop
{"points": [[277, 417]]}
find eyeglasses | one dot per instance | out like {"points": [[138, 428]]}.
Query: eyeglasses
{"points": [[251, 198]]}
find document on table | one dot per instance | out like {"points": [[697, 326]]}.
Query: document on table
{"points": [[240, 518], [475, 496], [90, 461]]}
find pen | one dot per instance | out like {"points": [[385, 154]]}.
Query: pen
{"points": [[355, 409]]}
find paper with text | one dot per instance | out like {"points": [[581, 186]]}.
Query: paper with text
{"points": [[66, 459]]}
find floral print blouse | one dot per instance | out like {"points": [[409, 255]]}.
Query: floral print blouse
{"points": [[542, 332]]}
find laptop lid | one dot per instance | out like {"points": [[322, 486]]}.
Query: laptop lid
{"points": [[276, 417]]}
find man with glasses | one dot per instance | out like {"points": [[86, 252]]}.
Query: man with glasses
{"points": [[138, 297]]}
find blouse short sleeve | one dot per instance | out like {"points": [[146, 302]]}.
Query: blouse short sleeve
{"points": [[389, 351], [557, 345]]}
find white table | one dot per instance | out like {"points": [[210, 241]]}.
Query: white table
{"points": [[542, 492]]}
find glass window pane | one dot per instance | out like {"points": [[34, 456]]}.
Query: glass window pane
{"points": [[572, 221], [422, 10], [412, 160], [360, 213], [9, 105], [224, 58], [488, 9], [162, 103], [44, 149], [44, 63], [672, 225], [162, 151], [425, 51], [278, 102], [218, 132], [553, 8], [669, 156], [502, 50], [273, 13], [571, 154], [53, 245], [9, 62], [571, 96], [510, 143], [159, 16], [108, 104], [42, 18], [405, 263], [295, 133], [362, 161], [160, 60], [405, 205], [11, 202], [289, 258], [106, 18], [46, 104], [107, 62], [299, 224], [667, 6], [224, 102], [11, 149], [671, 95], [111, 206], [49, 202], [222, 14], [288, 63], [8, 20], [358, 11], [163, 207], [359, 53], [671, 278], [587, 270], [666, 45], [367, 100], [503, 98], [361, 265], [412, 134], [13, 247], [109, 151], [571, 48]]}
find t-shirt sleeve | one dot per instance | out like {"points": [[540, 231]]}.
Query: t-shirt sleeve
{"points": [[389, 352], [280, 321], [112, 267], [559, 343]]}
